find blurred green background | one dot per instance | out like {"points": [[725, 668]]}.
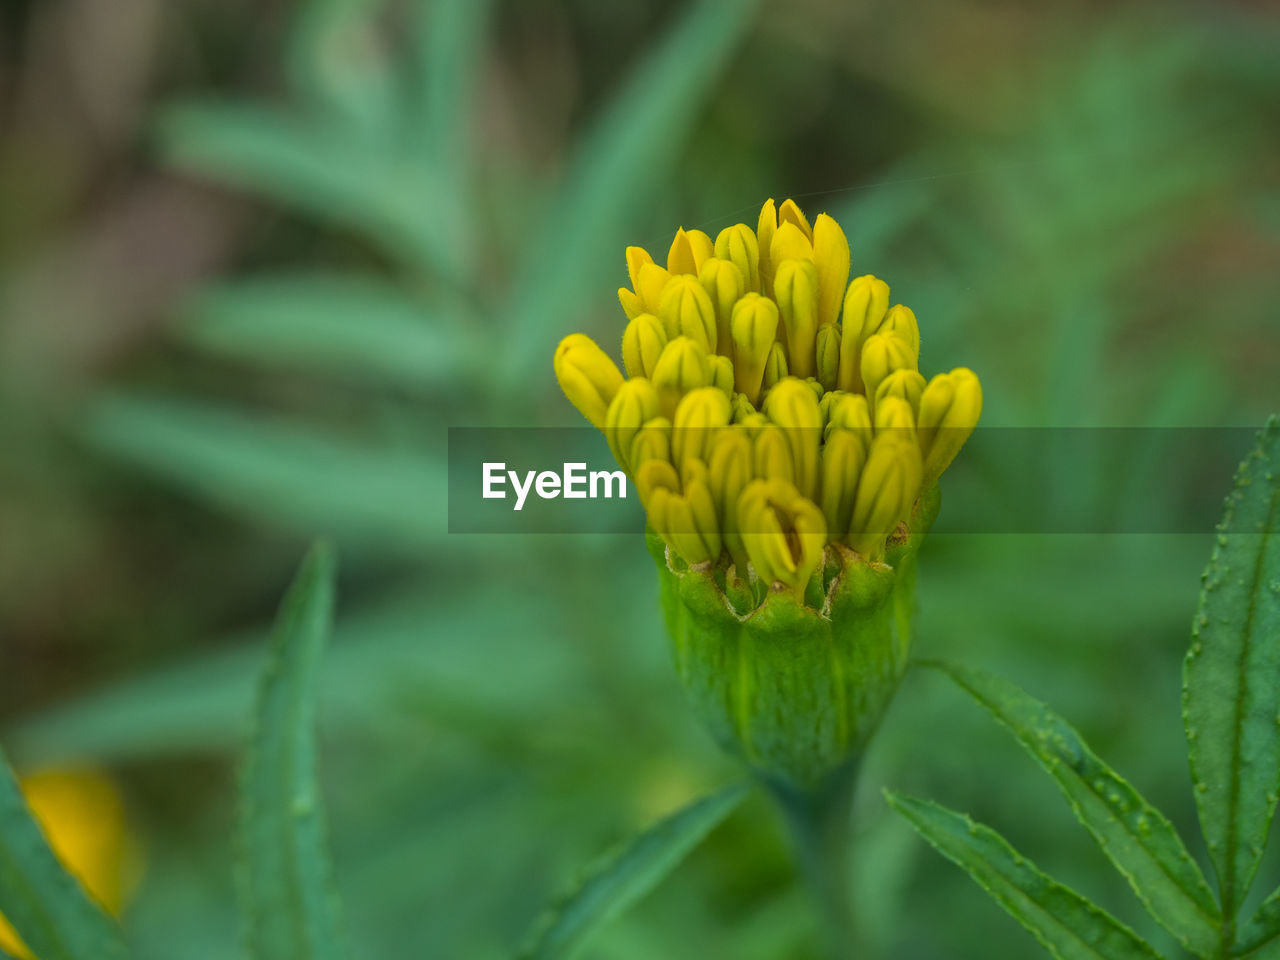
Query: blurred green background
{"points": [[256, 257]]}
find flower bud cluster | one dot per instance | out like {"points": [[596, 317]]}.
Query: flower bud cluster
{"points": [[770, 406]]}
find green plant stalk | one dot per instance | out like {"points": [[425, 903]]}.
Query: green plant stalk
{"points": [[820, 824]]}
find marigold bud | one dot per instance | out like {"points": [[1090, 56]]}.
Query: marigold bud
{"points": [[789, 243], [882, 354], [700, 414], [634, 405], [775, 366], [687, 520], [642, 344], [688, 250], [729, 472], [907, 385], [949, 410], [724, 285], [754, 326], [771, 457], [766, 227], [587, 376], [827, 360], [686, 310], [843, 457], [683, 366], [652, 442], [865, 306], [831, 257], [902, 321], [794, 408], [783, 532], [887, 489], [795, 287], [738, 245], [632, 305], [894, 413], [790, 212]]}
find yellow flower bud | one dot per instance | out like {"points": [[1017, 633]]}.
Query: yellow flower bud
{"points": [[949, 410], [637, 259], [642, 344], [699, 415], [722, 374], [688, 250], [907, 385], [729, 473], [788, 243], [724, 285], [783, 533], [902, 321], [795, 288], [652, 476], [739, 246], [653, 442], [794, 408], [632, 305], [754, 326], [687, 521], [771, 457], [634, 405], [831, 257], [827, 360], [851, 413], [887, 489], [653, 280], [790, 212], [742, 408], [686, 310], [683, 366], [765, 229], [587, 376], [882, 354], [775, 366], [865, 305], [843, 457], [894, 413]]}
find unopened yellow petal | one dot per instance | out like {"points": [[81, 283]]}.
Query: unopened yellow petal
{"points": [[775, 366], [766, 228], [587, 376], [790, 212], [865, 304], [652, 442], [949, 411], [882, 354], [684, 366], [887, 489], [754, 326], [652, 281], [902, 321], [687, 311], [698, 416], [827, 360], [634, 405], [843, 457], [723, 282], [637, 258], [632, 305], [789, 243], [791, 404], [739, 246], [642, 344], [680, 256], [795, 288], [831, 257]]}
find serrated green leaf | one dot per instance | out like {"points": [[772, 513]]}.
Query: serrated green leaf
{"points": [[1066, 924], [1230, 698], [623, 876], [352, 326], [44, 903], [620, 162], [1259, 938], [280, 472], [1136, 837], [288, 904], [316, 166]]}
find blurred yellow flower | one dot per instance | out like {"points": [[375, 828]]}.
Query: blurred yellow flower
{"points": [[82, 814]]}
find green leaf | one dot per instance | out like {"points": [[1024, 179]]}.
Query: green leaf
{"points": [[1230, 698], [44, 903], [316, 166], [277, 471], [1259, 938], [620, 163], [623, 876], [1134, 835], [349, 325], [1066, 924], [289, 906]]}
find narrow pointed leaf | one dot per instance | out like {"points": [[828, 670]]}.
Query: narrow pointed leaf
{"points": [[350, 326], [623, 876], [1230, 698], [45, 904], [1066, 924], [288, 903], [1259, 938], [1134, 835], [620, 165]]}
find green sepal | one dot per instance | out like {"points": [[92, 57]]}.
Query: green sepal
{"points": [[795, 688]]}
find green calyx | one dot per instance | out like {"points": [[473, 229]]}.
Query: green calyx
{"points": [[795, 686]]}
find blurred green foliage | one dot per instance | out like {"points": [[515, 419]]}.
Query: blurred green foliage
{"points": [[256, 259]]}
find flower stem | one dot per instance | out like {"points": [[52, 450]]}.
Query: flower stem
{"points": [[819, 822]]}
